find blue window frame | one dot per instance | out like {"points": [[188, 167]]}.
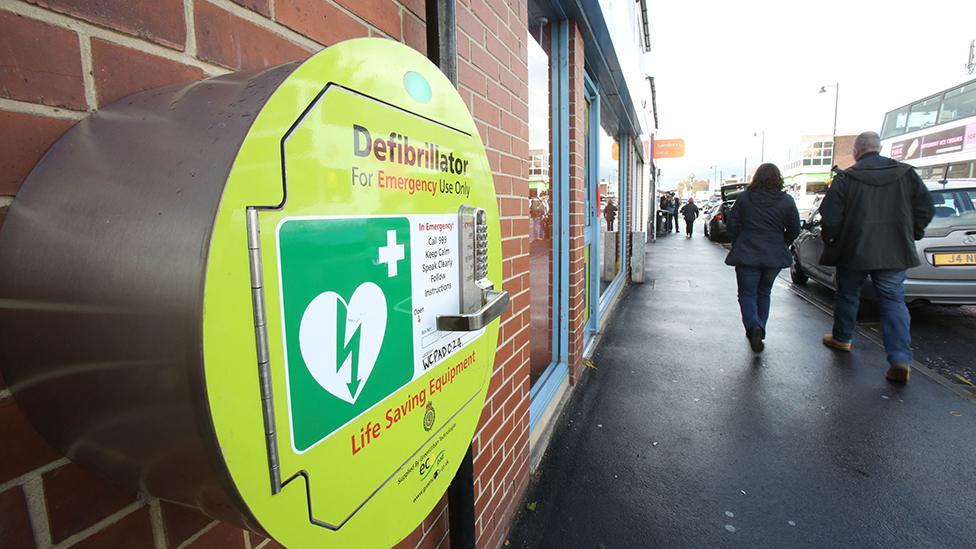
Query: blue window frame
{"points": [[542, 392]]}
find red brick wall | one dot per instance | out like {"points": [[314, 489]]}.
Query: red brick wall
{"points": [[844, 151], [493, 80], [64, 58], [577, 202]]}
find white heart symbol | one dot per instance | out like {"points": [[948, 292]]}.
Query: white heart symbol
{"points": [[324, 343]]}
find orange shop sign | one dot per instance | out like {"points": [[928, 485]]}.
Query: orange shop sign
{"points": [[669, 148]]}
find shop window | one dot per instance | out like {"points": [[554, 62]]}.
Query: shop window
{"points": [[540, 209], [608, 209]]}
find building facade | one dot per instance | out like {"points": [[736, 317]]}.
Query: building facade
{"points": [[65, 59]]}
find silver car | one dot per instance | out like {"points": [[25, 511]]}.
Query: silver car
{"points": [[947, 274]]}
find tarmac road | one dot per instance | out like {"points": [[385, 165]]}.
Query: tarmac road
{"points": [[943, 338], [682, 437]]}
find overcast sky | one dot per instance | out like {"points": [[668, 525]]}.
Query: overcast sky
{"points": [[726, 70]]}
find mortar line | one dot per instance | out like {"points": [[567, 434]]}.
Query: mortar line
{"points": [[88, 71], [23, 107], [196, 536], [37, 512], [266, 24], [36, 473], [100, 525], [158, 527], [116, 37], [190, 45]]}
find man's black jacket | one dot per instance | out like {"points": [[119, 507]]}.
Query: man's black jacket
{"points": [[873, 213]]}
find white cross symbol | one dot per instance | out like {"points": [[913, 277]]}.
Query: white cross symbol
{"points": [[391, 253]]}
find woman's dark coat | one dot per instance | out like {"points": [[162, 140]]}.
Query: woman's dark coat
{"points": [[762, 225]]}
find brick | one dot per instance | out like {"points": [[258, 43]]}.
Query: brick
{"points": [[134, 531], [415, 33], [40, 63], [418, 7], [484, 61], [24, 140], [181, 522], [24, 449], [497, 49], [120, 71], [319, 20], [486, 112], [472, 78], [15, 526], [261, 6], [382, 14], [222, 536], [467, 22], [437, 532], [486, 15], [160, 21], [412, 540], [77, 499], [228, 40]]}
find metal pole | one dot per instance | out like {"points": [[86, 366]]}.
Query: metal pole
{"points": [[836, 102], [762, 151], [442, 36], [442, 50], [744, 170]]}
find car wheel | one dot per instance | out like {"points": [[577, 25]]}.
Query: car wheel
{"points": [[796, 272]]}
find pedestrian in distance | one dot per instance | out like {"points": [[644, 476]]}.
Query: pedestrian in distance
{"points": [[690, 212], [763, 223], [610, 214], [675, 205], [665, 206], [870, 217]]}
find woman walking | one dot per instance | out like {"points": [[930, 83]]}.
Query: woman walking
{"points": [[763, 223], [690, 211]]}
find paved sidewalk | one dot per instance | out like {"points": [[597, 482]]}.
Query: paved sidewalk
{"points": [[682, 437]]}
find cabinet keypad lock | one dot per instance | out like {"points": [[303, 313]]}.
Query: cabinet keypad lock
{"points": [[479, 303]]}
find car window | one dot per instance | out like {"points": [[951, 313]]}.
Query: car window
{"points": [[953, 207]]}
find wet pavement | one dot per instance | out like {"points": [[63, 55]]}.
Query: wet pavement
{"points": [[943, 337], [682, 437]]}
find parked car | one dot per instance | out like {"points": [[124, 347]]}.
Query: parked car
{"points": [[717, 232], [706, 217], [947, 273]]}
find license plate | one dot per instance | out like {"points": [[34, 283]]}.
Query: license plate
{"points": [[954, 259]]}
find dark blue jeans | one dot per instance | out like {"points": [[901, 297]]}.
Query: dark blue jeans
{"points": [[895, 321], [755, 285]]}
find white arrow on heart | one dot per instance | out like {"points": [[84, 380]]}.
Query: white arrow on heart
{"points": [[320, 338]]}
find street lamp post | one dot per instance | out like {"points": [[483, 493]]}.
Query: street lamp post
{"points": [[833, 136]]}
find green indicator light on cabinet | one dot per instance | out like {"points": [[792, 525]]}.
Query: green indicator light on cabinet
{"points": [[417, 86]]}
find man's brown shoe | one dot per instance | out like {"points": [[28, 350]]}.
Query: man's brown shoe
{"points": [[899, 373], [828, 340]]}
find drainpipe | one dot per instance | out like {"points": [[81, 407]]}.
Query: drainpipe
{"points": [[442, 51], [442, 37]]}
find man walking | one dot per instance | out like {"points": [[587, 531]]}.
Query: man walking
{"points": [[871, 216], [690, 211], [675, 205], [610, 214]]}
